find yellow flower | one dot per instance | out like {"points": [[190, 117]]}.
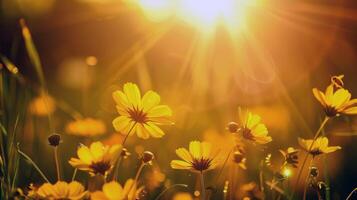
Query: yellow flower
{"points": [[142, 115], [197, 158], [86, 127], [320, 146], [97, 159], [42, 105], [60, 190], [114, 191], [251, 129], [336, 100]]}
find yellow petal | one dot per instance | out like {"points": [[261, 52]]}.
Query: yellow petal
{"points": [[98, 195], [142, 132], [61, 190], [132, 92], [340, 97], [160, 111], [120, 99], [113, 190], [331, 149], [252, 120], [150, 100], [46, 190], [260, 130], [75, 190], [319, 96], [84, 154], [329, 94], [195, 149], [206, 149], [98, 150], [351, 111], [179, 164], [184, 154], [121, 123], [154, 130]]}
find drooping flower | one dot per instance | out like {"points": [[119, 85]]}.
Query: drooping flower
{"points": [[60, 190], [114, 191], [198, 158], [252, 129], [141, 114], [86, 127], [42, 105], [320, 146], [336, 100], [290, 156], [97, 159]]}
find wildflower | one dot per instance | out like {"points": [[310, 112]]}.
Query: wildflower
{"points": [[336, 100], [54, 140], [141, 115], [97, 159], [114, 191], [86, 127], [290, 156], [253, 130], [42, 105], [60, 190], [320, 146], [239, 159], [197, 158]]}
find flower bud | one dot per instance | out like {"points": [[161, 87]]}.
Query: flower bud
{"points": [[232, 127], [314, 172], [147, 157], [54, 140], [124, 153]]}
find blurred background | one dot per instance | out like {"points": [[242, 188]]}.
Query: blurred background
{"points": [[205, 59]]}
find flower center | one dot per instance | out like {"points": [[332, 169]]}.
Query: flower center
{"points": [[247, 134], [201, 164], [137, 115], [330, 111], [100, 167], [315, 152]]}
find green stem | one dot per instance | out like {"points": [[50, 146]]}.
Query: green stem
{"points": [[57, 164], [127, 135], [305, 159], [350, 195], [33, 164], [74, 174], [203, 189], [142, 165], [307, 178]]}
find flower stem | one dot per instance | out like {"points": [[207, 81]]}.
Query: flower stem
{"points": [[203, 189], [223, 166], [118, 162], [307, 179], [127, 135], [57, 164], [142, 165], [74, 174], [305, 159], [34, 165]]}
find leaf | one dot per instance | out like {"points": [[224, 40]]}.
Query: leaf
{"points": [[32, 51]]}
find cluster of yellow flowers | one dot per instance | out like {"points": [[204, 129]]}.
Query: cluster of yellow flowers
{"points": [[142, 115]]}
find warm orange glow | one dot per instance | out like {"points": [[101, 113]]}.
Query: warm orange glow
{"points": [[202, 13], [208, 13]]}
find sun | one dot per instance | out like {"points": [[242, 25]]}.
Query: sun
{"points": [[209, 13], [200, 13]]}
